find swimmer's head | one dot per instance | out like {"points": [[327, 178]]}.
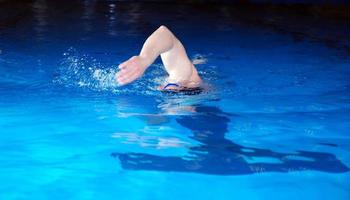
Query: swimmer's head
{"points": [[175, 88]]}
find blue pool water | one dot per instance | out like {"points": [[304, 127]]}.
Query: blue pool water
{"points": [[274, 123]]}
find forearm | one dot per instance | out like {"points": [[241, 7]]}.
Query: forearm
{"points": [[162, 40], [174, 57]]}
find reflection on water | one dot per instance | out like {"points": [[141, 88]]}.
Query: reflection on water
{"points": [[122, 17], [218, 155], [88, 14], [112, 19], [40, 9], [150, 141]]}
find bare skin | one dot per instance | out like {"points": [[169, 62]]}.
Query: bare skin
{"points": [[174, 57]]}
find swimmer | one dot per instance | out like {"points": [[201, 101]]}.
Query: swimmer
{"points": [[182, 73]]}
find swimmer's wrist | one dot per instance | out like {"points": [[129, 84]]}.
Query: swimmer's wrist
{"points": [[146, 60]]}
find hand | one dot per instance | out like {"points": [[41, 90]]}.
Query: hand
{"points": [[130, 70]]}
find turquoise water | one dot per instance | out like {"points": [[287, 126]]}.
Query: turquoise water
{"points": [[274, 123]]}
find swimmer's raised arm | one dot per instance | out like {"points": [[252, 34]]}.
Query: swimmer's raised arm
{"points": [[176, 62], [161, 41]]}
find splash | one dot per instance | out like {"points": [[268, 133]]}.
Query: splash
{"points": [[77, 70], [199, 59], [84, 72]]}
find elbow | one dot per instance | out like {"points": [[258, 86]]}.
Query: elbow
{"points": [[165, 31], [163, 28], [166, 34]]}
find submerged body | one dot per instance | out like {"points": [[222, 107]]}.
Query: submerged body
{"points": [[182, 73]]}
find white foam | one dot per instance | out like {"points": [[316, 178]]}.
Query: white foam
{"points": [[78, 70]]}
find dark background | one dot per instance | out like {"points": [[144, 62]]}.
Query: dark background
{"points": [[325, 21]]}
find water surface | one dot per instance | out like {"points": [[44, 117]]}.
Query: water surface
{"points": [[274, 123]]}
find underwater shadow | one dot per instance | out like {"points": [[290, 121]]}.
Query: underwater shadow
{"points": [[219, 156]]}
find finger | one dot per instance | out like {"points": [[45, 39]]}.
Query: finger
{"points": [[121, 79], [125, 73], [123, 65], [128, 79]]}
